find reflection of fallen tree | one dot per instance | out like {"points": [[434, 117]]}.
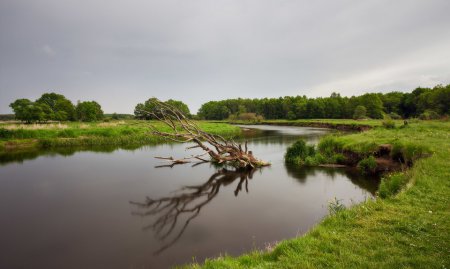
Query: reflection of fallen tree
{"points": [[187, 203]]}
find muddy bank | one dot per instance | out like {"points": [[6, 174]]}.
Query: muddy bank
{"points": [[379, 162]]}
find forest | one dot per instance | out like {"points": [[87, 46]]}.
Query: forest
{"points": [[426, 103], [423, 103]]}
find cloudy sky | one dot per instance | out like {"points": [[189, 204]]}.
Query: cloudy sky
{"points": [[123, 52]]}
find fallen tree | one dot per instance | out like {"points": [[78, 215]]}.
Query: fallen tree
{"points": [[183, 129]]}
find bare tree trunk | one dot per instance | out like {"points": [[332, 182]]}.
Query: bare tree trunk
{"points": [[219, 149]]}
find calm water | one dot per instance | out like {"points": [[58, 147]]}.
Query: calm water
{"points": [[92, 209]]}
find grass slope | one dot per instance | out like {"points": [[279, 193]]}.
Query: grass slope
{"points": [[408, 230]]}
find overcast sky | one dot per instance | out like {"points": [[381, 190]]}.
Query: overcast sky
{"points": [[120, 53]]}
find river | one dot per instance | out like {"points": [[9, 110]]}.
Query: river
{"points": [[94, 209]]}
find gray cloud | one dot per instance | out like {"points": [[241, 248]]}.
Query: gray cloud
{"points": [[122, 52]]}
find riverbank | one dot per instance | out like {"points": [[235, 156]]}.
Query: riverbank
{"points": [[410, 229], [21, 137]]}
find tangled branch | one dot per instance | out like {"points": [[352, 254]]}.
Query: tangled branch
{"points": [[219, 149]]}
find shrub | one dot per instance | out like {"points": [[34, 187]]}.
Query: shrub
{"points": [[395, 116], [310, 161], [338, 158], [298, 152], [408, 152], [367, 165], [392, 184], [291, 115], [388, 123], [127, 131], [329, 146], [319, 158], [5, 133], [252, 117], [429, 115], [360, 112]]}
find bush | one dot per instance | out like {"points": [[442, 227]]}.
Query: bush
{"points": [[388, 123], [329, 146], [298, 152], [395, 116], [252, 117], [408, 152], [368, 165], [310, 161], [339, 158], [392, 184], [429, 115], [5, 133], [360, 112]]}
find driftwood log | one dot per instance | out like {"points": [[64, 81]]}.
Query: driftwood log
{"points": [[183, 129]]}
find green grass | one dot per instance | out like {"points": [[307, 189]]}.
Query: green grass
{"points": [[131, 132], [408, 230]]}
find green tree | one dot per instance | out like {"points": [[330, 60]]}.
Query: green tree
{"points": [[360, 112], [180, 106], [139, 112], [62, 108], [89, 111], [29, 112], [214, 110], [373, 104], [142, 110], [392, 102], [21, 108]]}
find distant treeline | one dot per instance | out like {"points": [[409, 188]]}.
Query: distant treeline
{"points": [[426, 103], [117, 116], [5, 117], [53, 106]]}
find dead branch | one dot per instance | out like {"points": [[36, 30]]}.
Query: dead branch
{"points": [[182, 129]]}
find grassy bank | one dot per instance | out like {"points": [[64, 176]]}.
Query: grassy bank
{"points": [[408, 230], [14, 137]]}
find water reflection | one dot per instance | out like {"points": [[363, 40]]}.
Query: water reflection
{"points": [[187, 203], [19, 156], [369, 184]]}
